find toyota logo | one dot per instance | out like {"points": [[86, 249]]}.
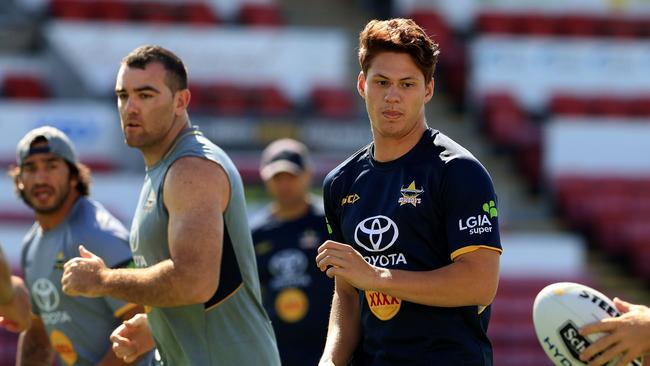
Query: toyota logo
{"points": [[46, 296], [376, 234]]}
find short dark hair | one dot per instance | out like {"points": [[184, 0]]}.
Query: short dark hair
{"points": [[78, 170], [140, 57], [398, 35]]}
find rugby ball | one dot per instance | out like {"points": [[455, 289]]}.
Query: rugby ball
{"points": [[560, 310]]}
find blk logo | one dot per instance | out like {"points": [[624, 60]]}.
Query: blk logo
{"points": [[376, 234], [45, 294]]}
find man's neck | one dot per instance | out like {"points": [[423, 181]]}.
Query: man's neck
{"points": [[153, 154], [51, 220], [391, 148], [292, 212]]}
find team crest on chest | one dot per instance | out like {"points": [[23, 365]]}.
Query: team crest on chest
{"points": [[309, 240], [60, 260], [151, 201], [410, 195]]}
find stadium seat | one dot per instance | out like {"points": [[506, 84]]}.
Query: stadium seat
{"points": [[227, 99], [609, 106], [641, 257], [111, 10], [619, 27], [269, 101], [509, 128], [24, 86], [199, 101], [566, 104], [197, 14], [332, 102], [253, 14], [496, 22], [577, 25], [537, 25], [155, 12], [504, 120], [639, 106], [72, 9]]}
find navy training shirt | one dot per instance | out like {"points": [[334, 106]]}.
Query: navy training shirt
{"points": [[295, 293], [417, 213]]}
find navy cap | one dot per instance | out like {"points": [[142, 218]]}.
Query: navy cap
{"points": [[284, 156], [57, 143]]}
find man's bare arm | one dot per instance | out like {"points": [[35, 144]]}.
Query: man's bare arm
{"points": [[34, 348], [344, 328], [196, 193]]}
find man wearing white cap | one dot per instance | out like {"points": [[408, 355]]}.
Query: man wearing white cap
{"points": [[286, 234]]}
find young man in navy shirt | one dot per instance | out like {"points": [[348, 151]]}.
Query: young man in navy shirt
{"points": [[413, 223]]}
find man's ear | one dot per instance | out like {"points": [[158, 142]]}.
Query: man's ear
{"points": [[361, 84], [429, 90], [182, 100]]}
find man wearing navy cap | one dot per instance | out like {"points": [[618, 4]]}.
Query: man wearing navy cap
{"points": [[286, 234], [51, 181]]}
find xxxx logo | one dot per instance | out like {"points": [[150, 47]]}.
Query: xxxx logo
{"points": [[384, 306]]}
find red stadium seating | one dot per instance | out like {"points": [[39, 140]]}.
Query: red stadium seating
{"points": [[331, 102], [227, 99], [570, 25], [601, 105], [639, 106], [197, 13], [614, 212], [496, 22], [509, 127], [506, 123], [110, 10], [538, 25], [234, 100], [577, 25], [252, 14], [622, 28], [562, 104], [154, 12], [24, 86], [609, 106], [72, 9], [268, 100]]}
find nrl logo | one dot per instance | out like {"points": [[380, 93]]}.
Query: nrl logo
{"points": [[410, 195]]}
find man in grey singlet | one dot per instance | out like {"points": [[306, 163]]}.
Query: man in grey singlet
{"points": [[51, 181], [190, 236]]}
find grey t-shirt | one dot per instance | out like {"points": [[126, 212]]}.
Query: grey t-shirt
{"points": [[78, 327]]}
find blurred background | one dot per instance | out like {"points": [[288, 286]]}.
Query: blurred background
{"points": [[552, 96]]}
